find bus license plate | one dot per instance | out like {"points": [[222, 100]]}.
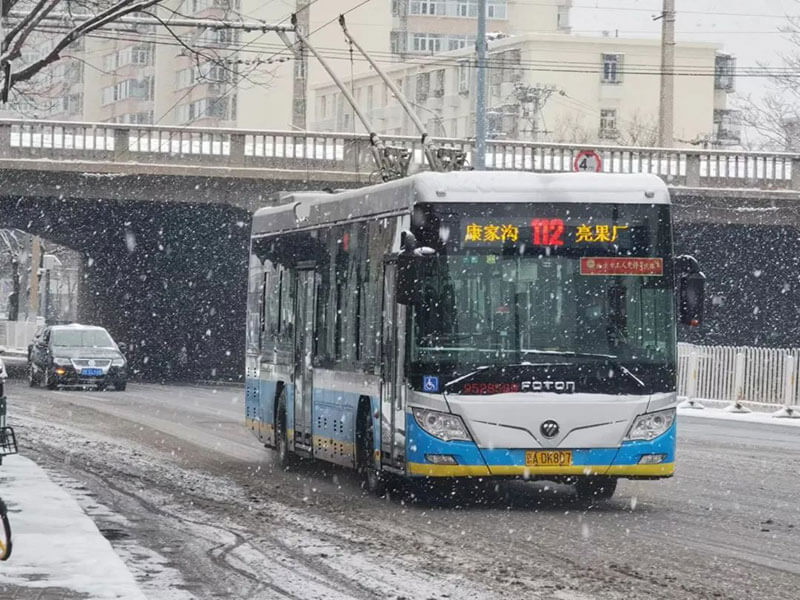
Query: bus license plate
{"points": [[548, 458], [92, 372]]}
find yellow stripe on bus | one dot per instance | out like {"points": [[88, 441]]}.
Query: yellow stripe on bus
{"points": [[663, 470]]}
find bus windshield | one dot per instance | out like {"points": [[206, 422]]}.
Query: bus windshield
{"points": [[493, 303]]}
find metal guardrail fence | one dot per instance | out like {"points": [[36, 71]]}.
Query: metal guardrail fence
{"points": [[349, 154], [765, 376], [16, 335]]}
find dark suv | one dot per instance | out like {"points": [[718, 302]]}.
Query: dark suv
{"points": [[76, 355]]}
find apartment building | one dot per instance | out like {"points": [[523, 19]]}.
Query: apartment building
{"points": [[230, 78], [544, 82], [432, 26], [549, 87]]}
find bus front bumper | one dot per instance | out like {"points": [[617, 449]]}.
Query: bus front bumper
{"points": [[652, 459]]}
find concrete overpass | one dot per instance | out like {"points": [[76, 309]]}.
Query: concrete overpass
{"points": [[161, 216]]}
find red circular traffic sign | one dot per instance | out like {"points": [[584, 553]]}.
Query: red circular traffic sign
{"points": [[588, 161]]}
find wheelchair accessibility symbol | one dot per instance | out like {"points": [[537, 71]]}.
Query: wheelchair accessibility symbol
{"points": [[430, 383]]}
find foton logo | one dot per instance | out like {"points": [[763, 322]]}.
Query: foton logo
{"points": [[559, 387]]}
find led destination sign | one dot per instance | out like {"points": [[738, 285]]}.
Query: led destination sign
{"points": [[542, 232]]}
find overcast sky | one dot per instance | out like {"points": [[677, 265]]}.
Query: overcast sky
{"points": [[747, 29]]}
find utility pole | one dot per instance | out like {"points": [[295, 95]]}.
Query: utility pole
{"points": [[667, 96], [535, 97], [300, 91], [480, 102], [36, 266]]}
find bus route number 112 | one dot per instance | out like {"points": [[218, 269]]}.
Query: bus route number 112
{"points": [[548, 232]]}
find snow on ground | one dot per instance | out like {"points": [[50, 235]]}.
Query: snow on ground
{"points": [[752, 417], [56, 545]]}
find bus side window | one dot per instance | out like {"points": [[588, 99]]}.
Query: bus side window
{"points": [[270, 307], [255, 277], [286, 317]]}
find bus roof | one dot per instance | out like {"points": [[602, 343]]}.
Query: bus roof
{"points": [[307, 209]]}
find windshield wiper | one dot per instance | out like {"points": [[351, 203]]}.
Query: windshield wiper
{"points": [[609, 357], [569, 353]]}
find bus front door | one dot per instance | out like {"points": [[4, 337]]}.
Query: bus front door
{"points": [[303, 349], [392, 397]]}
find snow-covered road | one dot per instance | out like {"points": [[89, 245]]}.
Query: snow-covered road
{"points": [[193, 506]]}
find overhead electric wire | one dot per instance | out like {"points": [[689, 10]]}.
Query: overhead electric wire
{"points": [[539, 65]]}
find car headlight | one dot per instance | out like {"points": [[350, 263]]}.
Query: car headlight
{"points": [[651, 425], [444, 426], [62, 362], [118, 362]]}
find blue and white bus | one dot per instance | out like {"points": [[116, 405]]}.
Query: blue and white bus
{"points": [[471, 324]]}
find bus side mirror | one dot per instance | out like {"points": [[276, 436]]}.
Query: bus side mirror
{"points": [[408, 268], [691, 291]]}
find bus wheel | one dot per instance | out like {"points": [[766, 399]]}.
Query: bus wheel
{"points": [[285, 456], [595, 488], [373, 480]]}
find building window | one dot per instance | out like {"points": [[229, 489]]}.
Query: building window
{"points": [[563, 21], [220, 37], [72, 103], [201, 5], [496, 9], [370, 97], [467, 8], [437, 83], [423, 86], [398, 42], [212, 108], [727, 127], [215, 75], [612, 68], [464, 70], [608, 123], [427, 42], [426, 7], [457, 42], [724, 70], [399, 8], [73, 73], [137, 89]]}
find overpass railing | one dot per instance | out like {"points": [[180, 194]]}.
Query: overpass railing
{"points": [[349, 155]]}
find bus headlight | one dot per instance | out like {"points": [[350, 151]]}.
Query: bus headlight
{"points": [[651, 425], [444, 426]]}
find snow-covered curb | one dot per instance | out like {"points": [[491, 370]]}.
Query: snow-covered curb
{"points": [[55, 544], [753, 417]]}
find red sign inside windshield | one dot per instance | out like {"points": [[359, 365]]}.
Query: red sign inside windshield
{"points": [[622, 266]]}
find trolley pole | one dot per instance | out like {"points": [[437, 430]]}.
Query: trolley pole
{"points": [[480, 102]]}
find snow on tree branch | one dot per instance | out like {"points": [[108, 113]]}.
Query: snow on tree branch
{"points": [[13, 43]]}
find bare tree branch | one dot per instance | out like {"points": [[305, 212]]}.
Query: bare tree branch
{"points": [[117, 10], [40, 12], [775, 116], [32, 18]]}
